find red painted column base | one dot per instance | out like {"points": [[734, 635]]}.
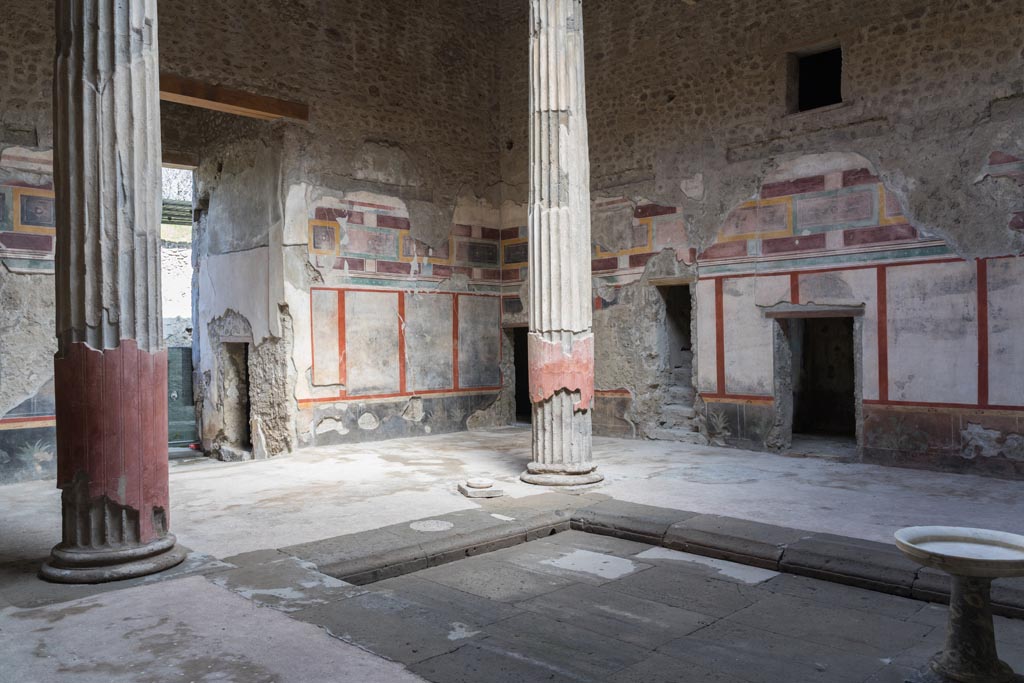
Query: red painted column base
{"points": [[112, 465]]}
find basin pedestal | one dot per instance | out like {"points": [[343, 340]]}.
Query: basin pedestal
{"points": [[970, 652], [972, 558]]}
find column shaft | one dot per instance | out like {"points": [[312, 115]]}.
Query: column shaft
{"points": [[561, 343], [110, 371]]}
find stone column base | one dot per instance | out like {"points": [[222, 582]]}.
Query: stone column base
{"points": [[552, 475], [99, 566]]}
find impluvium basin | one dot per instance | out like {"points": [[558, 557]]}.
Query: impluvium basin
{"points": [[972, 558]]}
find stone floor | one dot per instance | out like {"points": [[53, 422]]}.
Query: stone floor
{"points": [[225, 509], [570, 607]]}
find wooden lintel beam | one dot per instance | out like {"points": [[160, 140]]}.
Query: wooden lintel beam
{"points": [[175, 159], [221, 98]]}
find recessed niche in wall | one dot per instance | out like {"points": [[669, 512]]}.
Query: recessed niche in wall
{"points": [[815, 79]]}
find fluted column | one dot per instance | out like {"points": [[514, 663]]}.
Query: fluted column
{"points": [[110, 371], [561, 341]]}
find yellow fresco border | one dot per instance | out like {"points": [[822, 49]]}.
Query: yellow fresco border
{"points": [[642, 249], [31, 192], [517, 264], [337, 237], [756, 203], [882, 218], [407, 234]]}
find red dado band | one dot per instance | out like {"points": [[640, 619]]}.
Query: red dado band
{"points": [[551, 370]]}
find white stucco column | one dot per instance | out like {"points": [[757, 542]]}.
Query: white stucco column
{"points": [[561, 341], [110, 371]]}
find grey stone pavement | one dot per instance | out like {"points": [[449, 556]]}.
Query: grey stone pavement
{"points": [[569, 607]]}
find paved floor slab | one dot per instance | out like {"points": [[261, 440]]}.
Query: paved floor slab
{"points": [[754, 655], [625, 617], [285, 583], [182, 630], [495, 580], [712, 597]]}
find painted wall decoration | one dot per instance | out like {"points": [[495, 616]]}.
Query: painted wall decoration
{"points": [[28, 224], [402, 337], [941, 372], [377, 344], [373, 240], [27, 229], [378, 354]]}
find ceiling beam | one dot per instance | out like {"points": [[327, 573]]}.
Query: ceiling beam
{"points": [[229, 100]]}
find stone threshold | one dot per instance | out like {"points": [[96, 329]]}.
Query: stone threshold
{"points": [[379, 554]]}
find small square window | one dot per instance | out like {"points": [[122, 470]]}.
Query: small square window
{"points": [[815, 80]]}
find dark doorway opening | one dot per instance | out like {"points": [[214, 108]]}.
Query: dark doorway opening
{"points": [[824, 388], [678, 309], [677, 419], [237, 433], [521, 358]]}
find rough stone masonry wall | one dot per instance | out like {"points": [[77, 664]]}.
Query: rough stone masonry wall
{"points": [[687, 106]]}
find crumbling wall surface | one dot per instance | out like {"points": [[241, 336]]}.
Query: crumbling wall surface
{"points": [[26, 74], [502, 411], [632, 345], [27, 345], [240, 208], [27, 342]]}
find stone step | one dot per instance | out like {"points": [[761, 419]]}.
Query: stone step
{"points": [[677, 412], [680, 434], [681, 395]]}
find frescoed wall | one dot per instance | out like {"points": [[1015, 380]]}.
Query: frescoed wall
{"points": [[396, 336], [27, 230], [941, 383]]}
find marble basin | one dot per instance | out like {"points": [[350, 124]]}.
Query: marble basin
{"points": [[963, 551]]}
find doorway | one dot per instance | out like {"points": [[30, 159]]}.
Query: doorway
{"points": [[824, 384], [677, 421], [521, 358], [678, 310], [237, 437], [176, 273]]}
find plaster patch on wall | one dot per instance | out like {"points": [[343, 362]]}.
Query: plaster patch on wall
{"points": [[329, 424], [991, 443], [368, 421]]}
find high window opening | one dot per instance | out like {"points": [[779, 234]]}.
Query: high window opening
{"points": [[520, 341], [824, 390], [815, 80], [176, 294]]}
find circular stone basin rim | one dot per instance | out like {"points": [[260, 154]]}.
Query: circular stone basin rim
{"points": [[964, 551]]}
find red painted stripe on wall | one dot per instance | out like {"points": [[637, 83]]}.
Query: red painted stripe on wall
{"points": [[982, 278], [401, 342], [342, 355], [720, 333], [794, 288], [455, 342], [883, 336]]}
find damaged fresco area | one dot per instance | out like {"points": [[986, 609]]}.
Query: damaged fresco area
{"points": [[398, 322], [242, 418], [27, 342]]}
